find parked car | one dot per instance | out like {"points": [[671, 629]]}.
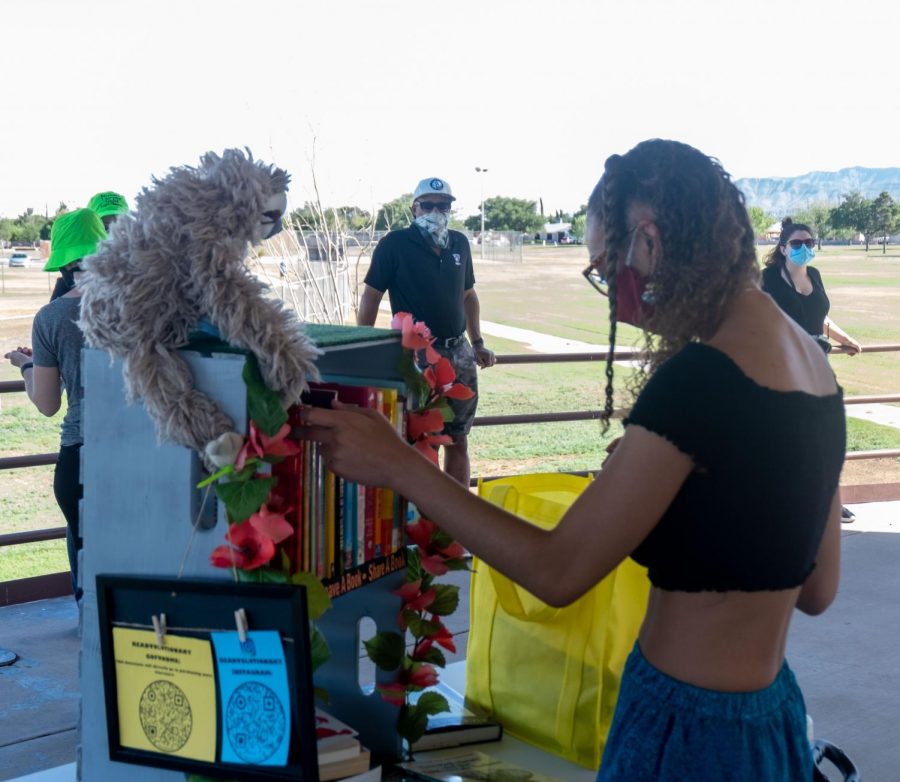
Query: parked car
{"points": [[18, 260]]}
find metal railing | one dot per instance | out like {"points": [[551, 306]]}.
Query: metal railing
{"points": [[57, 584]]}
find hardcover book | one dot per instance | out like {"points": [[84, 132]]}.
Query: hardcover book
{"points": [[465, 723], [469, 766]]}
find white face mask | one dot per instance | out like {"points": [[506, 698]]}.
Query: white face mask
{"points": [[435, 225]]}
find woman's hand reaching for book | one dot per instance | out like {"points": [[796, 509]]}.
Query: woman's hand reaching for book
{"points": [[359, 444]]}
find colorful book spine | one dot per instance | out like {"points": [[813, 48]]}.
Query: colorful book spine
{"points": [[341, 525]]}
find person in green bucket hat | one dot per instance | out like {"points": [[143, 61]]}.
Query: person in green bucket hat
{"points": [[55, 356], [108, 206], [76, 230]]}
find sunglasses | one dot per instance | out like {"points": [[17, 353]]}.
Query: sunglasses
{"points": [[596, 279], [796, 244], [430, 206]]}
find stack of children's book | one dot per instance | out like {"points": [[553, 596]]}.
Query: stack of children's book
{"points": [[341, 755], [340, 525]]}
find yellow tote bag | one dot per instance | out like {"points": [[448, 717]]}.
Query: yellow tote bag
{"points": [[551, 675]]}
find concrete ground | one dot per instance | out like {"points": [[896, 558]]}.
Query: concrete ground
{"points": [[847, 661]]}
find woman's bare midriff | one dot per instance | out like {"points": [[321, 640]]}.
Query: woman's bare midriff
{"points": [[727, 641]]}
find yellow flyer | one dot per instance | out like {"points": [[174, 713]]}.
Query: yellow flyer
{"points": [[166, 696]]}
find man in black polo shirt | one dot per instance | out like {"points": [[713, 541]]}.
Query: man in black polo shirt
{"points": [[427, 271]]}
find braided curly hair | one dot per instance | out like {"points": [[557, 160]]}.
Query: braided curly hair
{"points": [[708, 246]]}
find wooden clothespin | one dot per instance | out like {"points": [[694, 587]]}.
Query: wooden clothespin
{"points": [[240, 620], [159, 627]]}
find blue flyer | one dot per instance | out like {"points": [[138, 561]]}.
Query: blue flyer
{"points": [[254, 698]]}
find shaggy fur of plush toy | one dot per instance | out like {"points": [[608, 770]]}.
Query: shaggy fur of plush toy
{"points": [[177, 259]]}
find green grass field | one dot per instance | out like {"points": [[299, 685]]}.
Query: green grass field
{"points": [[545, 293]]}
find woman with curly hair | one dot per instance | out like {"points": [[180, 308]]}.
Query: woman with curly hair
{"points": [[724, 484]]}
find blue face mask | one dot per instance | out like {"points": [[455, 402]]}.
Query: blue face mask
{"points": [[802, 255]]}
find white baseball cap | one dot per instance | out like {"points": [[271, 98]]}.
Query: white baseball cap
{"points": [[433, 186]]}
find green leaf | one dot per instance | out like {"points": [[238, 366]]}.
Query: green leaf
{"points": [[319, 651], [420, 627], [434, 656], [263, 405], [440, 539], [432, 703], [247, 471], [446, 601], [412, 722], [215, 476], [457, 563], [270, 575], [386, 650], [413, 564], [243, 498], [317, 599], [446, 412], [417, 386]]}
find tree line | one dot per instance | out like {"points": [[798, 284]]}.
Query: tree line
{"points": [[876, 219], [500, 214]]}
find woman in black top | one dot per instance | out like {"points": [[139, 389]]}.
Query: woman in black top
{"points": [[735, 397], [797, 287]]}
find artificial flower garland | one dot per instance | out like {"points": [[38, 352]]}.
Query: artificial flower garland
{"points": [[436, 553], [258, 527]]}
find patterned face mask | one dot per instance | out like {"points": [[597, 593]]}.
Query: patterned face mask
{"points": [[434, 224]]}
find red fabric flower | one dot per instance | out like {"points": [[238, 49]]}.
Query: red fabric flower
{"points": [[436, 565], [453, 551], [442, 637], [249, 548], [440, 374], [392, 693], [420, 533], [458, 391], [422, 423], [441, 377], [415, 335], [409, 590], [421, 675], [428, 448], [271, 524], [258, 444], [421, 602], [413, 598]]}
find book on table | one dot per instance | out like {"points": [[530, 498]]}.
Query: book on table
{"points": [[341, 756], [467, 765], [464, 723]]}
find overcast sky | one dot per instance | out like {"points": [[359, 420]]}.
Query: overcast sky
{"points": [[102, 94]]}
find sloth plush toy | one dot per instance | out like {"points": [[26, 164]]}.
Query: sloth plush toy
{"points": [[176, 263]]}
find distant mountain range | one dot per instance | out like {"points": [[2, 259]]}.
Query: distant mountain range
{"points": [[781, 196]]}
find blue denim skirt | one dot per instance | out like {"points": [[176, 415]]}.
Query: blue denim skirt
{"points": [[665, 730]]}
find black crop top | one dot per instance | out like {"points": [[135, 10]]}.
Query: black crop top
{"points": [[810, 310], [752, 512]]}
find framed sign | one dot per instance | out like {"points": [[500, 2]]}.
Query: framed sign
{"points": [[208, 677]]}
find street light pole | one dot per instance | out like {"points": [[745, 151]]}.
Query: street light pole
{"points": [[480, 170]]}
